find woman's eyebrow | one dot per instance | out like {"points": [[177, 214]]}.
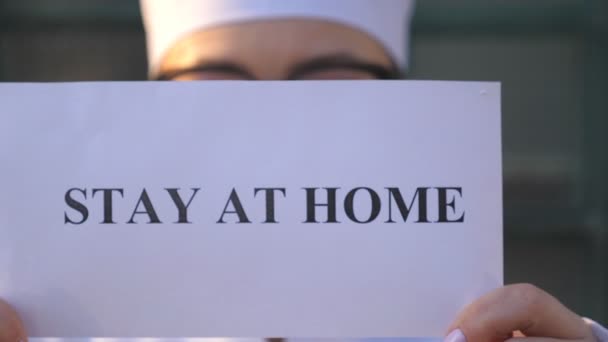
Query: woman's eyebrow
{"points": [[208, 66], [344, 61]]}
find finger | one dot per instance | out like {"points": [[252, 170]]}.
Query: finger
{"points": [[495, 316], [11, 327]]}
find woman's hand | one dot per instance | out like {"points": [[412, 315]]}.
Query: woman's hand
{"points": [[518, 313], [514, 313], [11, 327]]}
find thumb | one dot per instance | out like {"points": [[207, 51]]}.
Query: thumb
{"points": [[11, 327], [518, 308]]}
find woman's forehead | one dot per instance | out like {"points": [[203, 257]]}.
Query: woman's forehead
{"points": [[271, 47], [167, 22]]}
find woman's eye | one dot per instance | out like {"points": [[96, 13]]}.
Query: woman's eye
{"points": [[337, 74]]}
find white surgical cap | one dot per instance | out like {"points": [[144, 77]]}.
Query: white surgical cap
{"points": [[166, 21]]}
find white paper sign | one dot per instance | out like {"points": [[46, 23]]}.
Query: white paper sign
{"points": [[248, 209]]}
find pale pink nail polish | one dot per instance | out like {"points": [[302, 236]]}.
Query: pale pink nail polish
{"points": [[455, 336]]}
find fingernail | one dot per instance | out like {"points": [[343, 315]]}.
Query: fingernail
{"points": [[455, 336]]}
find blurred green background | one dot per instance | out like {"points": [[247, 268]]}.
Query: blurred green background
{"points": [[550, 55]]}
